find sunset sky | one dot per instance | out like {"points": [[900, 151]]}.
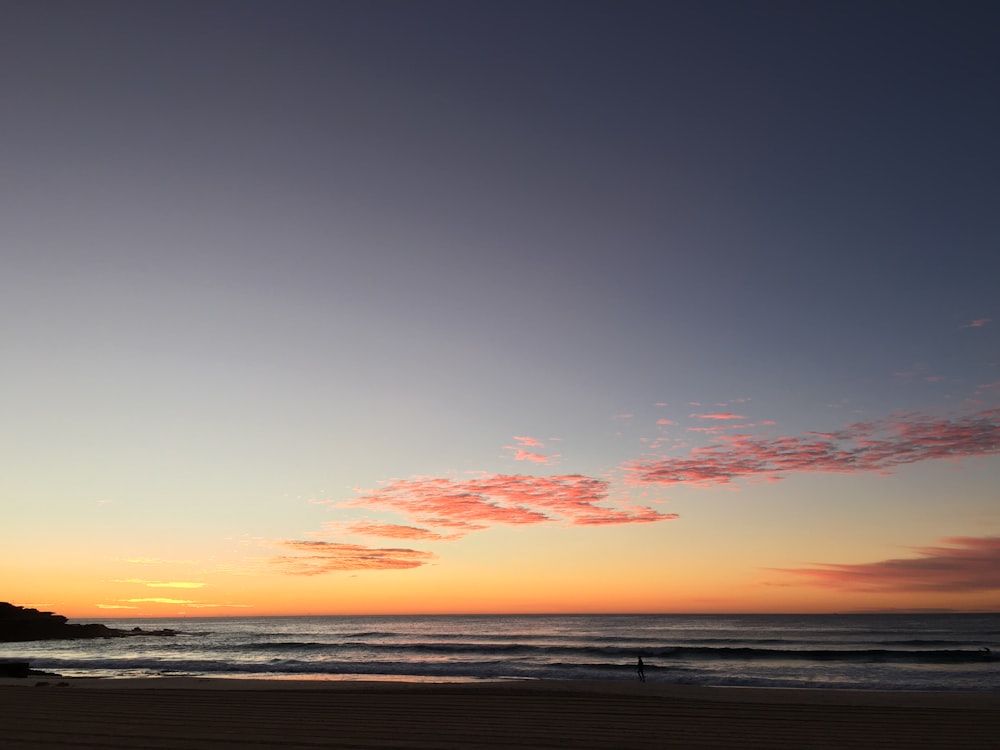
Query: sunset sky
{"points": [[549, 306]]}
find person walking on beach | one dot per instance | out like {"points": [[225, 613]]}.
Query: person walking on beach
{"points": [[639, 671]]}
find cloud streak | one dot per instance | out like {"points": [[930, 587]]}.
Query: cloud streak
{"points": [[447, 509], [959, 564], [528, 442], [325, 557], [862, 447], [393, 531], [522, 454], [462, 505]]}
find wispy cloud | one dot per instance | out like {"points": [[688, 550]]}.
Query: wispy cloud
{"points": [[393, 531], [608, 517], [866, 446], [324, 557], [978, 323], [528, 442], [960, 564], [463, 505], [521, 454], [164, 584], [717, 415], [538, 458], [159, 600]]}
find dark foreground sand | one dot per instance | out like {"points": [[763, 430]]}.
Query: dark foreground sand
{"points": [[196, 713]]}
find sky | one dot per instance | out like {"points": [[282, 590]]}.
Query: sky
{"points": [[448, 307]]}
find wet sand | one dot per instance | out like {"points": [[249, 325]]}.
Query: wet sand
{"points": [[190, 713]]}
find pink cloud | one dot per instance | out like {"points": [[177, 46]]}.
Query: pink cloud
{"points": [[720, 415], [463, 505], [520, 454], [664, 421], [538, 458], [529, 442], [324, 557], [392, 531], [978, 323], [875, 446], [966, 564], [607, 517]]}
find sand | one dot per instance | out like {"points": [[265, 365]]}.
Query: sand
{"points": [[213, 713]]}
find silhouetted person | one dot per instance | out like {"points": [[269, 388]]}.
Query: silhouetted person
{"points": [[639, 671]]}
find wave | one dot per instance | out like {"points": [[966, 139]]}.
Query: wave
{"points": [[924, 642], [793, 651], [478, 668], [936, 656], [619, 653]]}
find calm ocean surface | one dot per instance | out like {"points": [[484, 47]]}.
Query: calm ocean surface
{"points": [[879, 652]]}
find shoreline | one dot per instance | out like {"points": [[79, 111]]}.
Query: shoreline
{"points": [[854, 695], [410, 682], [207, 712], [347, 682]]}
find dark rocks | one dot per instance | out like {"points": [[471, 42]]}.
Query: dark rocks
{"points": [[26, 624], [15, 668], [22, 669]]}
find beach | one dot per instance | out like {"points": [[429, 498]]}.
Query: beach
{"points": [[183, 712]]}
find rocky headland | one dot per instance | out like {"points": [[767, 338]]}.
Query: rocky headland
{"points": [[27, 624]]}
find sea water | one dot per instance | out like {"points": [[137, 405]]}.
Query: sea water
{"points": [[860, 651]]}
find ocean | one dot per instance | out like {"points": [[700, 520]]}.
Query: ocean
{"points": [[856, 651]]}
